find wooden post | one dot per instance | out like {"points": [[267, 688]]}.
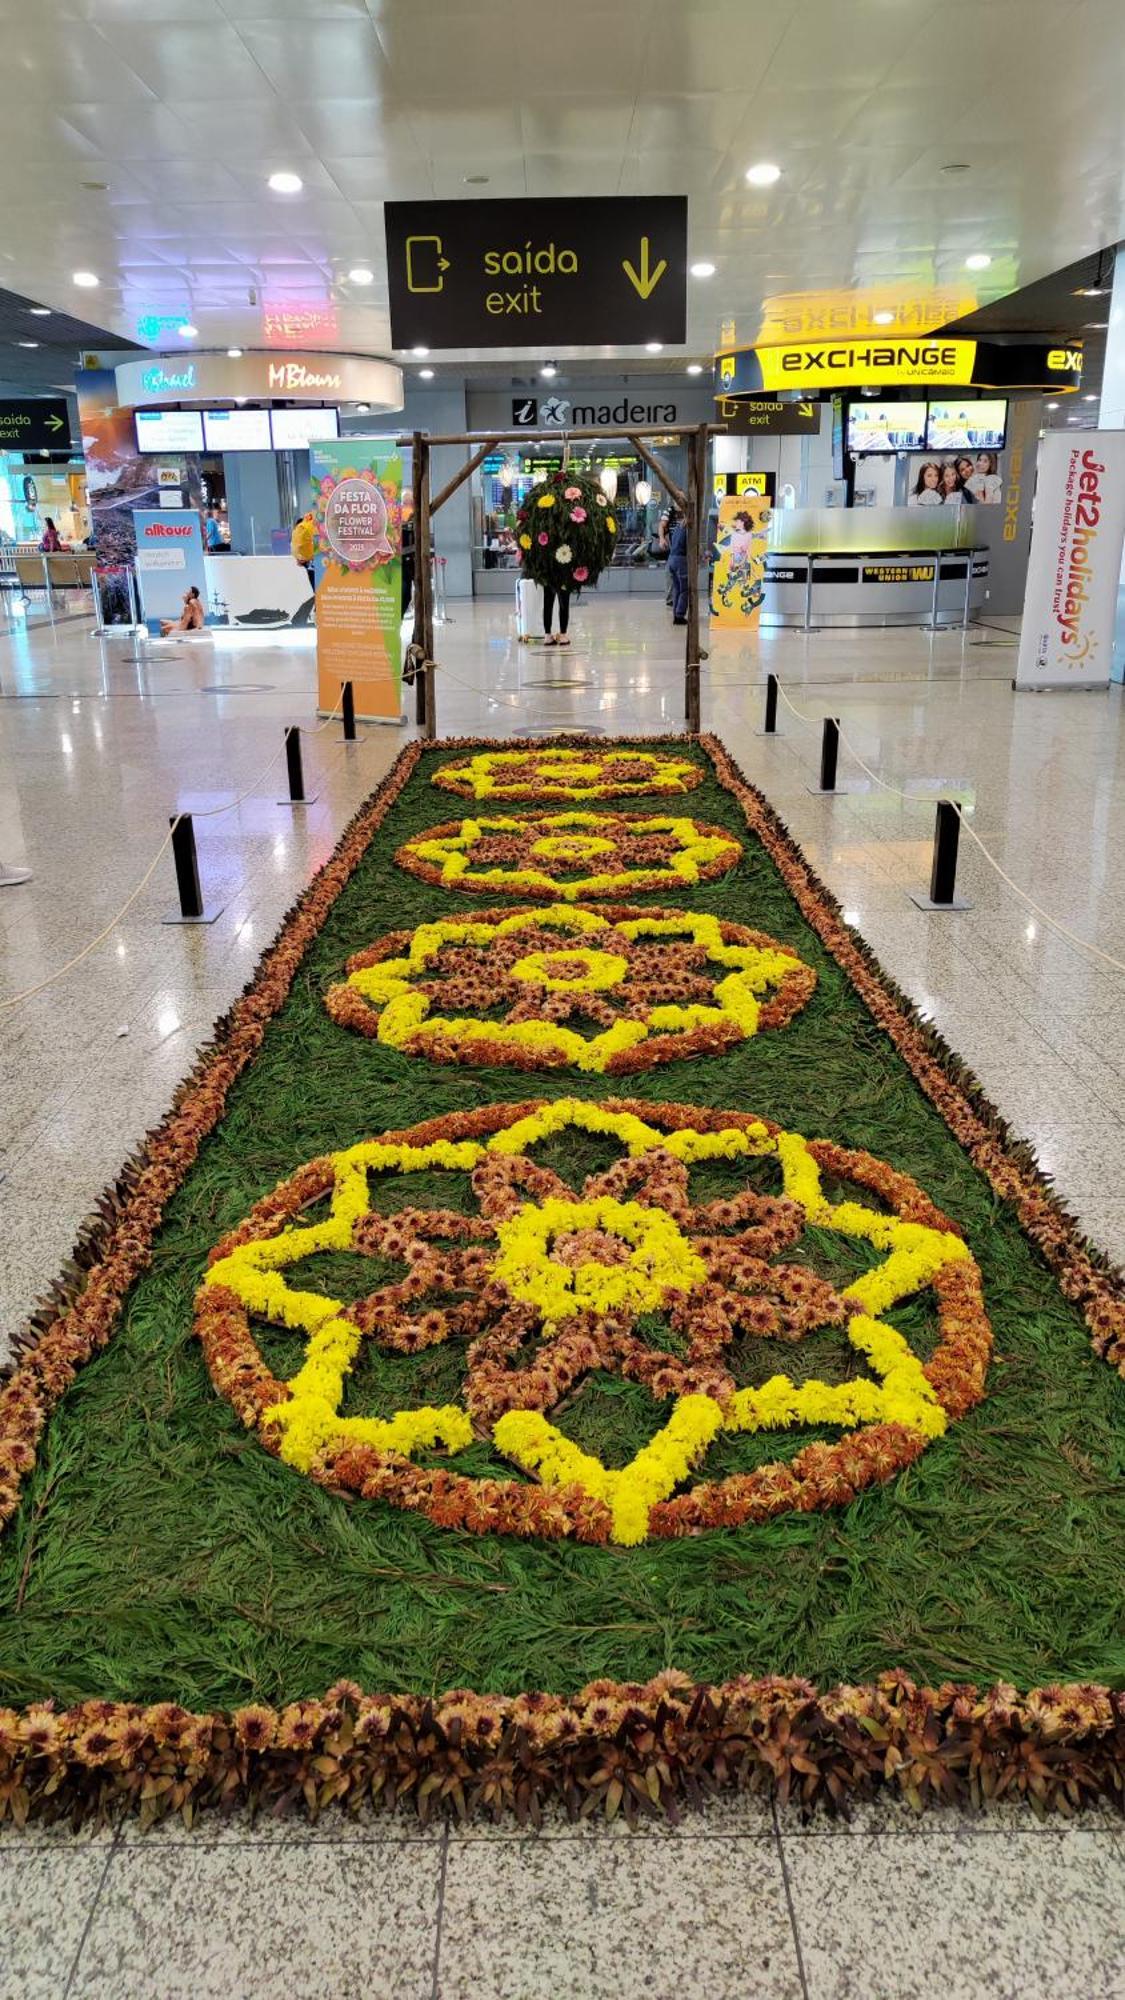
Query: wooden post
{"points": [[696, 484], [423, 588]]}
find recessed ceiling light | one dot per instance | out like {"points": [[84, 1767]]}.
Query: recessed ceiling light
{"points": [[240, 400], [1092, 292], [361, 274], [1097, 325], [40, 312], [286, 183], [703, 269], [883, 318], [1090, 397], [763, 175], [695, 368], [28, 343], [979, 261], [86, 279], [476, 180], [427, 374], [362, 409], [654, 347], [419, 353], [187, 331], [1052, 406], [548, 371], [234, 353]]}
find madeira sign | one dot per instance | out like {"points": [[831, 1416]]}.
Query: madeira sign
{"points": [[537, 273]]}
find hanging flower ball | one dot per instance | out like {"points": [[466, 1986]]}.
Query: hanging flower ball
{"points": [[566, 530]]}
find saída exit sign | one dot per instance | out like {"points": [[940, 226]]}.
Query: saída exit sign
{"points": [[538, 274], [34, 423]]}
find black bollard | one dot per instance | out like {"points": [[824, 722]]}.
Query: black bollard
{"points": [[943, 871], [771, 705], [349, 713], [297, 793], [420, 694], [191, 909], [829, 753]]}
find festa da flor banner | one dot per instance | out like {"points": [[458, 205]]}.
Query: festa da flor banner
{"points": [[739, 581], [1075, 562], [357, 505]]}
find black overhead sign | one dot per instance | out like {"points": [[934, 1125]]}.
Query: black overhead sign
{"points": [[34, 423], [767, 416], [538, 273]]}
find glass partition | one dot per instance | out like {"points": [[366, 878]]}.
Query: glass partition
{"points": [[878, 530]]}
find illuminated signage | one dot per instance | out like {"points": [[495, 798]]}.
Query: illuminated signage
{"points": [[888, 362], [254, 377], [161, 381]]}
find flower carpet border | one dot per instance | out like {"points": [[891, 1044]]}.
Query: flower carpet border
{"points": [[616, 1746]]}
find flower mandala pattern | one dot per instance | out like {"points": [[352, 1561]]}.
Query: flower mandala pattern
{"points": [[566, 774], [611, 993], [571, 856], [543, 1287]]}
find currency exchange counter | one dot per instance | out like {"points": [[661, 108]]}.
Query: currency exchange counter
{"points": [[873, 566]]}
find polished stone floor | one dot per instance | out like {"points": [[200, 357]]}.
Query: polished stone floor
{"points": [[99, 743]]}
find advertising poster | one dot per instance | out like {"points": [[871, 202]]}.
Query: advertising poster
{"points": [[1068, 616], [119, 480], [169, 561], [357, 502], [739, 580]]}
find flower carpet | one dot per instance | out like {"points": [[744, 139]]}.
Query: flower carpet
{"points": [[600, 1346]]}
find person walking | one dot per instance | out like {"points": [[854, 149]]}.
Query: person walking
{"points": [[678, 570], [302, 546], [559, 593]]}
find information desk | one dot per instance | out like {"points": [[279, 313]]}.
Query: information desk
{"points": [[874, 566]]}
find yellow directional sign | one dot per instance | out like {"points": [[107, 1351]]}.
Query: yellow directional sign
{"points": [[538, 274]]}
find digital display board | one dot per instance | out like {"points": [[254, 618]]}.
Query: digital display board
{"points": [[169, 430], [967, 426], [886, 426], [295, 430], [237, 430]]}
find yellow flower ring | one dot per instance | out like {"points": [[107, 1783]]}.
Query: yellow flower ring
{"points": [[610, 992], [549, 1286], [574, 856], [566, 774]]}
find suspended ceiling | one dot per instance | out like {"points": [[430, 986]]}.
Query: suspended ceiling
{"points": [[182, 108]]}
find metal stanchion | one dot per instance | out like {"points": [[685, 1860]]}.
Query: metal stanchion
{"points": [[349, 713], [937, 585], [968, 588], [808, 594], [769, 726], [943, 872], [47, 590], [191, 910], [297, 793], [10, 878], [95, 592], [829, 757]]}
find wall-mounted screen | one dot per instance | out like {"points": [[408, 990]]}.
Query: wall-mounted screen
{"points": [[237, 430], [967, 426], [886, 426], [295, 430], [169, 430]]}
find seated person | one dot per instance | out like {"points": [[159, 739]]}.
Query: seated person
{"points": [[191, 618]]}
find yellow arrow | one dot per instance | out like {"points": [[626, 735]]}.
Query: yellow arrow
{"points": [[806, 409], [647, 280]]}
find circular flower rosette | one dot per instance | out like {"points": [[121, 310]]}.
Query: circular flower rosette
{"points": [[526, 1297], [611, 993], [566, 774], [573, 856]]}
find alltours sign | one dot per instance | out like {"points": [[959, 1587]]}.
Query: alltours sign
{"points": [[525, 273], [1066, 639]]}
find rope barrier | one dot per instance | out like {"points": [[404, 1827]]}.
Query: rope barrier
{"points": [[210, 812], [935, 798]]}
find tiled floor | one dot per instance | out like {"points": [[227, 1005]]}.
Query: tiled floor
{"points": [[98, 743]]}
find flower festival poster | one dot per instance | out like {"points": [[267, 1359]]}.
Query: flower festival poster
{"points": [[357, 506]]}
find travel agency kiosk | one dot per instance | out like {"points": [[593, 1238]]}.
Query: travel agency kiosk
{"points": [[900, 472], [169, 436]]}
